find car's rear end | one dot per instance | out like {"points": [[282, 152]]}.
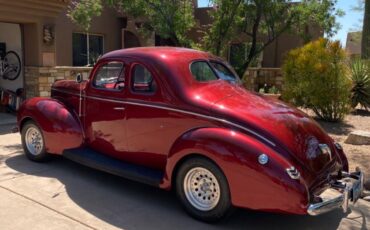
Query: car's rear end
{"points": [[315, 158], [335, 187]]}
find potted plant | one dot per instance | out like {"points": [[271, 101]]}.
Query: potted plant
{"points": [[272, 91]]}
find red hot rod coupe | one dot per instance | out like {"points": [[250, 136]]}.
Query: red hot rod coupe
{"points": [[179, 119]]}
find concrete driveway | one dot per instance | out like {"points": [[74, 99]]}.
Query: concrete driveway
{"points": [[64, 195]]}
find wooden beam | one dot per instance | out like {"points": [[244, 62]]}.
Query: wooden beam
{"points": [[49, 3], [39, 8], [25, 5], [26, 11]]}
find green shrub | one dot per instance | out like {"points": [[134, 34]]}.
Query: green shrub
{"points": [[273, 90], [360, 76], [316, 77]]}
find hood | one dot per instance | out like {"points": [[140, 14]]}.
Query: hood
{"points": [[287, 127], [69, 85]]}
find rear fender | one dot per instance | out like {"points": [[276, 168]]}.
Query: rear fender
{"points": [[252, 185], [61, 127]]}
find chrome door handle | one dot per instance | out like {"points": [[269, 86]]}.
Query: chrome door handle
{"points": [[119, 108]]}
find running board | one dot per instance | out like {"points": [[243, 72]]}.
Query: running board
{"points": [[96, 160]]}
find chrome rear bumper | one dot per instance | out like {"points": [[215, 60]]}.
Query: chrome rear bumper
{"points": [[348, 188]]}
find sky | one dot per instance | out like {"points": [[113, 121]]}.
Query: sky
{"points": [[351, 21]]}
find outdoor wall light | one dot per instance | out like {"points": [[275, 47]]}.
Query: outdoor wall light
{"points": [[48, 36]]}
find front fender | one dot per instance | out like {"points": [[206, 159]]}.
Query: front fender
{"points": [[252, 185], [61, 128]]}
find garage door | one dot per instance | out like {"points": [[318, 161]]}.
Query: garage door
{"points": [[11, 66]]}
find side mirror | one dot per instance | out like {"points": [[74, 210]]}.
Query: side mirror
{"points": [[79, 78]]}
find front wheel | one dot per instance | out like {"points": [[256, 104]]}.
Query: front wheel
{"points": [[203, 190], [33, 142]]}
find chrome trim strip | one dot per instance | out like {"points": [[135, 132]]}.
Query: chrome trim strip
{"points": [[119, 108], [175, 110], [185, 112]]}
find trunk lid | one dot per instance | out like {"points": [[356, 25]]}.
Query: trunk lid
{"points": [[300, 135]]}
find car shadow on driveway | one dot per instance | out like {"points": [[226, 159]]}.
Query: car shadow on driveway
{"points": [[130, 205]]}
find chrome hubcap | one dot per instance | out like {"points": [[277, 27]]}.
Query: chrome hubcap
{"points": [[201, 189], [34, 141]]}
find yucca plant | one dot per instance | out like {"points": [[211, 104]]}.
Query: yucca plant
{"points": [[360, 92]]}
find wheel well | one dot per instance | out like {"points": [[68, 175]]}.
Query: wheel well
{"points": [[24, 121], [186, 158]]}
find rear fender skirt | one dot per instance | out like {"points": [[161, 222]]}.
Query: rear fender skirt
{"points": [[252, 185], [61, 127]]}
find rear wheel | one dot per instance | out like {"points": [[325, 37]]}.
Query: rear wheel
{"points": [[33, 142], [203, 190]]}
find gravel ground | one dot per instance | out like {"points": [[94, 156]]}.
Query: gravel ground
{"points": [[358, 155]]}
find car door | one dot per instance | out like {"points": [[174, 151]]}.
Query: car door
{"points": [[148, 126], [153, 123], [104, 110]]}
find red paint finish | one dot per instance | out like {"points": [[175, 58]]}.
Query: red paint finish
{"points": [[252, 185], [60, 125], [183, 118]]}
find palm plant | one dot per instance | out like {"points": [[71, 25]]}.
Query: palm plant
{"points": [[360, 75]]}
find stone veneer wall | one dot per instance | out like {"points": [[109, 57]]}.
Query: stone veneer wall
{"points": [[256, 78], [38, 80]]}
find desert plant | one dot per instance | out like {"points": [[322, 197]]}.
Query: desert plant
{"points": [[316, 78], [360, 75]]}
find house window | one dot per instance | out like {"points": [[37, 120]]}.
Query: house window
{"points": [[80, 47]]}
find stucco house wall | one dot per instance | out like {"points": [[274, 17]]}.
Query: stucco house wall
{"points": [[109, 24], [44, 62]]}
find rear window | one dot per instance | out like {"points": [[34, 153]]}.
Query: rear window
{"points": [[202, 71], [223, 72]]}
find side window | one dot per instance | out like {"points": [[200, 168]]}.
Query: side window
{"points": [[110, 76], [142, 80]]}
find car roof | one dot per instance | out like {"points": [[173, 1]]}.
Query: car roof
{"points": [[173, 61], [165, 54]]}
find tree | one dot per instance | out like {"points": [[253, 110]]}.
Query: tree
{"points": [[263, 21], [82, 12], [170, 19], [365, 44]]}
